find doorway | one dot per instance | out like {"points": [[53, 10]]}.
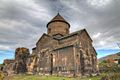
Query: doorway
{"points": [[51, 64]]}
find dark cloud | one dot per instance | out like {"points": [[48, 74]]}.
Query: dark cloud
{"points": [[97, 19], [22, 22]]}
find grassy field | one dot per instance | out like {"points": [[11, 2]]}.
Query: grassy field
{"points": [[37, 77]]}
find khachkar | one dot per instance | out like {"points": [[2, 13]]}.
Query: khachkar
{"points": [[59, 52]]}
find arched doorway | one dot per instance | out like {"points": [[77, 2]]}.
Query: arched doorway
{"points": [[51, 64]]}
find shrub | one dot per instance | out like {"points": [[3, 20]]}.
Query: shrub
{"points": [[115, 76]]}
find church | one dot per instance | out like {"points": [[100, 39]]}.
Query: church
{"points": [[59, 52]]}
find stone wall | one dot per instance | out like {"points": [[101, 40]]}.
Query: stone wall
{"points": [[45, 42], [69, 40], [58, 28], [89, 54], [32, 64], [19, 64], [8, 61], [63, 61], [21, 56], [8, 66]]}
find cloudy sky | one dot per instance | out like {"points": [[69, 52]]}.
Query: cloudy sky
{"points": [[22, 22]]}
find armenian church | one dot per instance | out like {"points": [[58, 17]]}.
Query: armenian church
{"points": [[57, 52]]}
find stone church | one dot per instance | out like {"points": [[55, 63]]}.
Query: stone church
{"points": [[58, 52]]}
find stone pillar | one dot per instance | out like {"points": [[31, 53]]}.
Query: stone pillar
{"points": [[74, 54]]}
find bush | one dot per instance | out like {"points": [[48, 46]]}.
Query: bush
{"points": [[109, 67], [115, 76], [112, 70]]}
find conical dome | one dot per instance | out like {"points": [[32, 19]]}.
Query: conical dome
{"points": [[58, 26], [58, 17]]}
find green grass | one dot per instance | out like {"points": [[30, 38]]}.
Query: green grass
{"points": [[37, 77]]}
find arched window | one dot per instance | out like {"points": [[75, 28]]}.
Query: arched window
{"points": [[49, 30]]}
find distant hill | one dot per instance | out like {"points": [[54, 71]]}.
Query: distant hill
{"points": [[112, 56]]}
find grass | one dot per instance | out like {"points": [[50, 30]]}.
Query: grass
{"points": [[37, 77]]}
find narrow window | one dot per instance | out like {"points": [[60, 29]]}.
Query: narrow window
{"points": [[49, 30]]}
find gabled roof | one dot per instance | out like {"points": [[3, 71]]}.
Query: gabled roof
{"points": [[75, 33], [45, 35], [59, 18], [87, 34], [67, 36]]}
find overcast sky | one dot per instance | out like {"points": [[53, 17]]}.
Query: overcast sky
{"points": [[22, 22]]}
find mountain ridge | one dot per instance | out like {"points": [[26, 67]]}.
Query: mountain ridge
{"points": [[111, 56]]}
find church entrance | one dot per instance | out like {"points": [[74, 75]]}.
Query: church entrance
{"points": [[51, 64]]}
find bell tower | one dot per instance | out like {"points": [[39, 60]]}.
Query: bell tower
{"points": [[58, 26]]}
